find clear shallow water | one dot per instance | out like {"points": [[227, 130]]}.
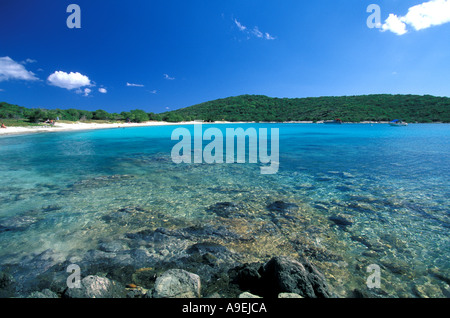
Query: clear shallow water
{"points": [[63, 191]]}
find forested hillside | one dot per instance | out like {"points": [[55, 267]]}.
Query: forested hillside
{"points": [[411, 108]]}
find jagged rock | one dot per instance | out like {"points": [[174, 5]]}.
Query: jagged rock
{"points": [[282, 274], [248, 277], [177, 283], [96, 287]]}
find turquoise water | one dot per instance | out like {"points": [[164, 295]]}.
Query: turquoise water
{"points": [[60, 191]]}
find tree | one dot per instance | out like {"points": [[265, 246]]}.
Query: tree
{"points": [[139, 116], [173, 118], [35, 115], [101, 115], [153, 116]]}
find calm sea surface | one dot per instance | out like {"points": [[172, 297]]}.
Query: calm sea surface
{"points": [[366, 194]]}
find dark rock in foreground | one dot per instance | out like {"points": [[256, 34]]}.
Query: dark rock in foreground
{"points": [[282, 275], [290, 276]]}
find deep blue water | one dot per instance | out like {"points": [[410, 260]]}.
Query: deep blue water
{"points": [[391, 182]]}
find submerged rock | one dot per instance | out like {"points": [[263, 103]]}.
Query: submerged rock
{"points": [[17, 223], [283, 207], [177, 283], [281, 211], [226, 209], [341, 220]]}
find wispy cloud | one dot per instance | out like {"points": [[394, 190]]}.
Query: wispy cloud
{"points": [[167, 77], [255, 32], [268, 36], [28, 61], [419, 17], [240, 26], [11, 70], [72, 80], [134, 85], [154, 91]]}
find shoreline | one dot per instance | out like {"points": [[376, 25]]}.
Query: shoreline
{"points": [[77, 126]]}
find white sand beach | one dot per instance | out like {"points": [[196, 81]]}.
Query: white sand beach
{"points": [[80, 126]]}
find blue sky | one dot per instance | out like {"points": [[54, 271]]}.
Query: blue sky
{"points": [[159, 55]]}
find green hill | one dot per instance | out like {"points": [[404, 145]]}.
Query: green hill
{"points": [[411, 108]]}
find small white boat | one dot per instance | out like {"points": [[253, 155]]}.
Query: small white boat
{"points": [[398, 123]]}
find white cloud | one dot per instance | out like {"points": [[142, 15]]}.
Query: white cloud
{"points": [[419, 17], [394, 24], [69, 80], [134, 85], [428, 14], [102, 90], [9, 69], [153, 91], [253, 32], [167, 77]]}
